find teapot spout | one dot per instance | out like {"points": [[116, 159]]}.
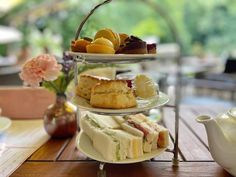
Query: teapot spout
{"points": [[212, 130], [214, 133], [204, 119]]}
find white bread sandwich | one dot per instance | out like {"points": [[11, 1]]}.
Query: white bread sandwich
{"points": [[133, 144], [154, 135], [109, 147], [90, 122], [132, 129], [114, 94], [150, 136], [128, 127], [117, 138], [163, 137], [112, 143], [119, 119]]}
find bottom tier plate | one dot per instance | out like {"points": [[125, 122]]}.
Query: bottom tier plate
{"points": [[84, 144]]}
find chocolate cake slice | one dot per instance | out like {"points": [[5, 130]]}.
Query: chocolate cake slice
{"points": [[152, 48], [133, 45]]}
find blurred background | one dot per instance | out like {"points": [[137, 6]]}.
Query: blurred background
{"points": [[206, 29]]}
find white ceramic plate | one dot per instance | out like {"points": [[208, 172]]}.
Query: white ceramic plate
{"points": [[142, 105], [84, 144], [5, 123], [112, 58]]}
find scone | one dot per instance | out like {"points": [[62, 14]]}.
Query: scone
{"points": [[86, 83], [145, 87], [113, 94]]}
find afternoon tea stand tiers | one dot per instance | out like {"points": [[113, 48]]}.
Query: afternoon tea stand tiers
{"points": [[124, 59]]}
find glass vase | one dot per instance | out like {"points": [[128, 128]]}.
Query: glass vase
{"points": [[60, 118]]}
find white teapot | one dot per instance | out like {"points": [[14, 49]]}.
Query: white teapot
{"points": [[221, 133]]}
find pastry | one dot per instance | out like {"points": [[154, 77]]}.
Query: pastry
{"points": [[123, 37], [133, 45], [112, 94], [110, 35], [152, 49], [101, 45], [144, 86], [86, 83], [80, 45]]}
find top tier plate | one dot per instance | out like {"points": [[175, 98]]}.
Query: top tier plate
{"points": [[112, 58]]}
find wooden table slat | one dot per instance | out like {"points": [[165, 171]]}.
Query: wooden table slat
{"points": [[71, 152], [50, 151], [189, 113], [150, 169], [189, 145], [166, 156], [189, 119], [212, 110]]}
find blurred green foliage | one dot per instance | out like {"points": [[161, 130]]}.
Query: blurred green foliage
{"points": [[203, 25]]}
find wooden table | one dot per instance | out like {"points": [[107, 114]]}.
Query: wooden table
{"points": [[60, 158]]}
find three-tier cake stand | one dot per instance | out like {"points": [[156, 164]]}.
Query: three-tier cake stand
{"points": [[129, 59], [124, 59]]}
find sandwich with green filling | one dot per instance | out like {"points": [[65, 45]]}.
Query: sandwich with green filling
{"points": [[109, 139], [133, 145], [91, 121], [108, 146]]}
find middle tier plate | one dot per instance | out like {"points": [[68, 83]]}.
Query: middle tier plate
{"points": [[142, 105]]}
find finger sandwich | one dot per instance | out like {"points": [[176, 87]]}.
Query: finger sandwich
{"points": [[154, 135], [108, 146], [109, 139], [90, 122], [116, 144], [132, 144]]}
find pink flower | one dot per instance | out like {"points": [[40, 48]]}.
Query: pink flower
{"points": [[36, 70]]}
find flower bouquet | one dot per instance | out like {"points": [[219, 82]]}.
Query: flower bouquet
{"points": [[44, 70], [60, 119]]}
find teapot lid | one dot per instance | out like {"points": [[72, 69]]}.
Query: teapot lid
{"points": [[232, 112]]}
